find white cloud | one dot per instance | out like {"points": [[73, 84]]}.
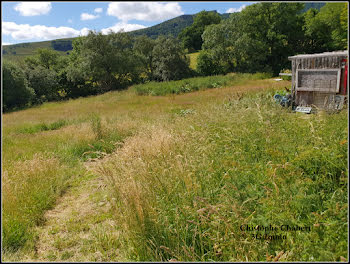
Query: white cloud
{"points": [[25, 31], [33, 8], [122, 26], [84, 32], [86, 16], [148, 11], [98, 10], [234, 10], [6, 43]]}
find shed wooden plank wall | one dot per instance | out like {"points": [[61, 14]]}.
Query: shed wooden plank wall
{"points": [[316, 62]]}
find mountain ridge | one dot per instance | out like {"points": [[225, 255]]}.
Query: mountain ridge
{"points": [[169, 27]]}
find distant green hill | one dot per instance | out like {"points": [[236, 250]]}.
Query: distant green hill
{"points": [[172, 27], [17, 52], [313, 5]]}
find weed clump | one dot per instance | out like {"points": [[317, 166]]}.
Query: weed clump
{"points": [[31, 129], [96, 126]]}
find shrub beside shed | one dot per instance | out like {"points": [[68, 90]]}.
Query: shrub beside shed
{"points": [[320, 80]]}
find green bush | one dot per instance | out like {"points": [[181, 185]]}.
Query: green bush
{"points": [[169, 60], [44, 82], [16, 91], [207, 65]]}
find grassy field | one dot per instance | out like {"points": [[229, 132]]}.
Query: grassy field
{"points": [[196, 84], [193, 60], [180, 173]]}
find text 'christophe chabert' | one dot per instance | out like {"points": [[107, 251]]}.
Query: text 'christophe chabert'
{"points": [[283, 228], [270, 232]]}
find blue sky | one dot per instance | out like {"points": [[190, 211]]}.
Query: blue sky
{"points": [[40, 21]]}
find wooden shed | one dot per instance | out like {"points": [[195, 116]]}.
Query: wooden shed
{"points": [[320, 80]]}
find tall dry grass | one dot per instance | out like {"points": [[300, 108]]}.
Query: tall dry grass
{"points": [[29, 188], [185, 171], [183, 192]]}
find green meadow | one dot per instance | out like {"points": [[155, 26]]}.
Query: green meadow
{"points": [[193, 60], [171, 172]]}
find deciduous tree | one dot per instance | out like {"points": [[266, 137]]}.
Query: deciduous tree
{"points": [[169, 60], [143, 48], [16, 92], [102, 60], [191, 36]]}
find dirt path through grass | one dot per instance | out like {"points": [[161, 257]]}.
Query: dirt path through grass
{"points": [[80, 226]]}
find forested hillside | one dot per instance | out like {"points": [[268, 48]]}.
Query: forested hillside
{"points": [[170, 27], [312, 5]]}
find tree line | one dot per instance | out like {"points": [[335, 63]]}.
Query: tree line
{"points": [[262, 36], [258, 39], [98, 63]]}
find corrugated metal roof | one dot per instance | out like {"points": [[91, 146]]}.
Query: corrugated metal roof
{"points": [[324, 54]]}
